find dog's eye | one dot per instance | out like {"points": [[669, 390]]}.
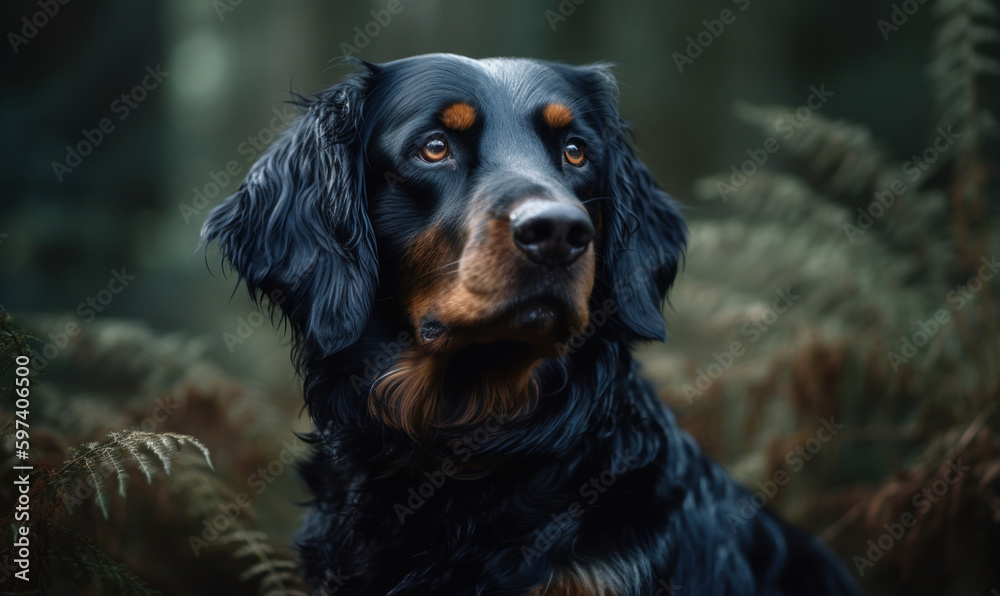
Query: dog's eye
{"points": [[574, 153], [436, 149]]}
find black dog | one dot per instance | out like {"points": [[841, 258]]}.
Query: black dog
{"points": [[465, 249]]}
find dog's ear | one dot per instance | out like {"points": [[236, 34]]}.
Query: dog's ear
{"points": [[643, 234], [297, 230]]}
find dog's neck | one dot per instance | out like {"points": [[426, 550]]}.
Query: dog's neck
{"points": [[340, 389], [423, 393]]}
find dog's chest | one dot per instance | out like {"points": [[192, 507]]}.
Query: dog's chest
{"points": [[505, 523]]}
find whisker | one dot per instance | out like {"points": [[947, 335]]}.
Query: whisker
{"points": [[391, 372], [439, 270]]}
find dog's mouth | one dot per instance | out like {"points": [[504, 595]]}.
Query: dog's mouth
{"points": [[535, 314], [472, 364], [536, 322]]}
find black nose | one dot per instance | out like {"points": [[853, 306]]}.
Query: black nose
{"points": [[551, 233]]}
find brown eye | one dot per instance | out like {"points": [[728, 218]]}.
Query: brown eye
{"points": [[574, 153], [436, 149]]}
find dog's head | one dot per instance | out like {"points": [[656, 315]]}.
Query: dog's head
{"points": [[483, 208]]}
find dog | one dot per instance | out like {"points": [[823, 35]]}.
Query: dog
{"points": [[465, 250]]}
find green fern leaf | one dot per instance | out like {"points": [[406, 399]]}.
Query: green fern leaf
{"points": [[99, 491]]}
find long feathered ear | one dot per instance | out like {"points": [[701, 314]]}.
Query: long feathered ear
{"points": [[644, 235], [297, 229]]}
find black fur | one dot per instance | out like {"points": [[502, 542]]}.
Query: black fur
{"points": [[320, 227]]}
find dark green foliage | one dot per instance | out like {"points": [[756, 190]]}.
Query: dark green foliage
{"points": [[869, 279], [87, 565], [14, 342], [72, 548]]}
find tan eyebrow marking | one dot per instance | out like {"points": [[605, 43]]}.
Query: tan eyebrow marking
{"points": [[458, 116], [557, 115]]}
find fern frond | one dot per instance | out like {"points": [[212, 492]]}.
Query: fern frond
{"points": [[163, 448], [272, 570], [267, 569], [959, 59], [249, 549], [118, 463], [841, 163], [96, 477], [146, 464], [775, 198], [96, 461], [274, 575], [838, 158], [977, 8], [165, 445], [253, 540]]}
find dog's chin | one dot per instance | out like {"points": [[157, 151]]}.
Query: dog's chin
{"points": [[465, 370], [463, 384], [532, 329]]}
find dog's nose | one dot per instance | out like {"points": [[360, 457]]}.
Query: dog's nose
{"points": [[551, 233]]}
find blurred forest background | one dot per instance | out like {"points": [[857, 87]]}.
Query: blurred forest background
{"points": [[838, 164]]}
